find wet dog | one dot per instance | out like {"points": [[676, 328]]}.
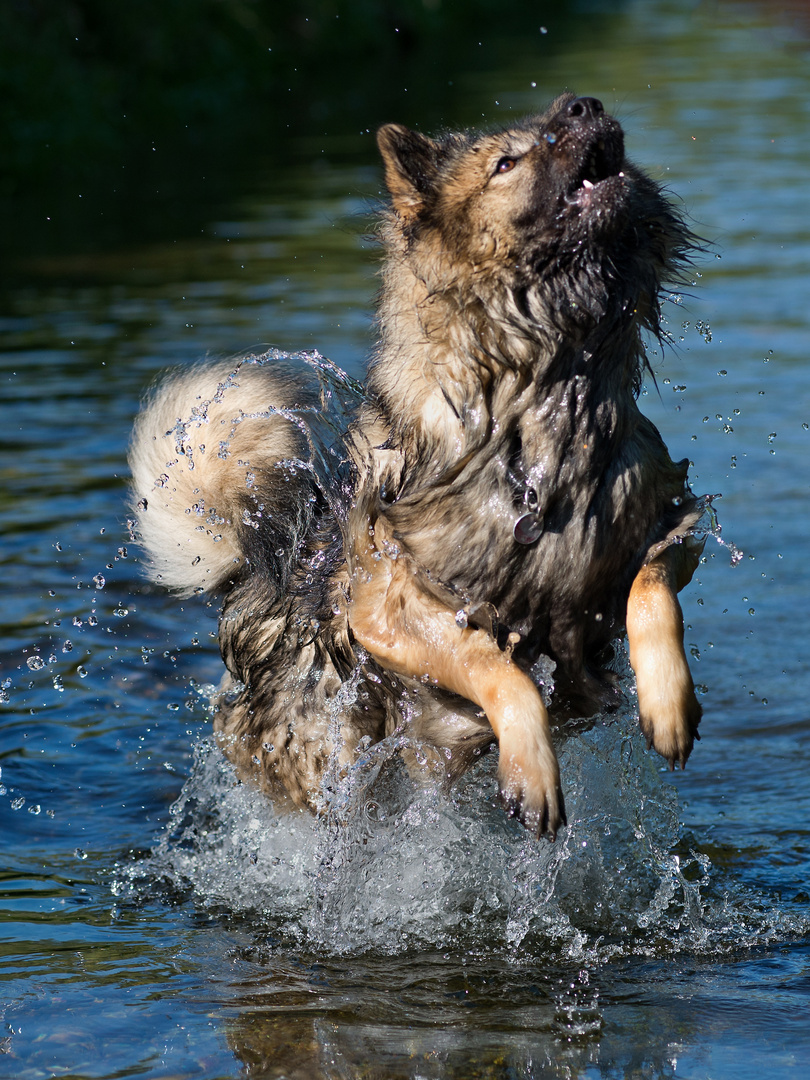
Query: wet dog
{"points": [[501, 499]]}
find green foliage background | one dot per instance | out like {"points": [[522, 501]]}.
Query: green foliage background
{"points": [[79, 78]]}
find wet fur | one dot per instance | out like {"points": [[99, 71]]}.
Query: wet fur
{"points": [[520, 270]]}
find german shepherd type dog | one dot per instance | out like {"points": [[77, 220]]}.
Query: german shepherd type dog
{"points": [[507, 499]]}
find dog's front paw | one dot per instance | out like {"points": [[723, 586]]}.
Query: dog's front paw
{"points": [[669, 711], [529, 785]]}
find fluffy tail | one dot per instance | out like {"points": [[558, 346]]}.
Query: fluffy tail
{"points": [[220, 463]]}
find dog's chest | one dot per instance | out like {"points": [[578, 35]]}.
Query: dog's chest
{"points": [[529, 518]]}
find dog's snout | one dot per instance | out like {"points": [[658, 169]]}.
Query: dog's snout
{"points": [[585, 108]]}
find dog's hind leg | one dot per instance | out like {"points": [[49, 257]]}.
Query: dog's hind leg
{"points": [[410, 631], [668, 709]]}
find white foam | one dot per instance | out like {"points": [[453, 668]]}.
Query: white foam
{"points": [[393, 865]]}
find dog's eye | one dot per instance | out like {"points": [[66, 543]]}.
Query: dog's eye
{"points": [[506, 164]]}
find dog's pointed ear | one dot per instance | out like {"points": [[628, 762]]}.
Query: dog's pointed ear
{"points": [[411, 165]]}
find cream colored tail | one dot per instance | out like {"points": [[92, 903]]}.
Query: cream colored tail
{"points": [[219, 459]]}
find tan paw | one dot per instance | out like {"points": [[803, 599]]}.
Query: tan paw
{"points": [[669, 711], [529, 784]]}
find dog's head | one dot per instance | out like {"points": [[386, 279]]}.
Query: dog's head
{"points": [[550, 210]]}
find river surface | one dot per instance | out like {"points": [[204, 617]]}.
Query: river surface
{"points": [[159, 920]]}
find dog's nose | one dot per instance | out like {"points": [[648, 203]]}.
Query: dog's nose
{"points": [[585, 108]]}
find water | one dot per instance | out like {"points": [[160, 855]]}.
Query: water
{"points": [[160, 920]]}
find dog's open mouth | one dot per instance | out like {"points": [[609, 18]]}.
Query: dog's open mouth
{"points": [[603, 156], [600, 170]]}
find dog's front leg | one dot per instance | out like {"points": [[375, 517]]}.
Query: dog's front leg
{"points": [[668, 709], [411, 632]]}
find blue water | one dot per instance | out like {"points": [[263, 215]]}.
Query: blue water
{"points": [[159, 920]]}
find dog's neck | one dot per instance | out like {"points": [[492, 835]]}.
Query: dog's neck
{"points": [[455, 369]]}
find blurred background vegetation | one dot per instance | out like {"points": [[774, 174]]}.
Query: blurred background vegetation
{"points": [[116, 102], [78, 77]]}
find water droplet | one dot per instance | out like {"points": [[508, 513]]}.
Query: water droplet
{"points": [[35, 663], [461, 618], [99, 581], [79, 853], [18, 804]]}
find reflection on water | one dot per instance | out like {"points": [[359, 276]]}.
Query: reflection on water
{"points": [[156, 918]]}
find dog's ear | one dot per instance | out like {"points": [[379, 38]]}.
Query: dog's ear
{"points": [[411, 165]]}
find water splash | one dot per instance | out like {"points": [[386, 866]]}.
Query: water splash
{"points": [[708, 525], [395, 863]]}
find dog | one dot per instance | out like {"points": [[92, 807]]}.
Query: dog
{"points": [[497, 496]]}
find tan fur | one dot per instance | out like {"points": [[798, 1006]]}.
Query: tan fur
{"points": [[205, 434], [668, 710], [409, 631], [505, 498]]}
